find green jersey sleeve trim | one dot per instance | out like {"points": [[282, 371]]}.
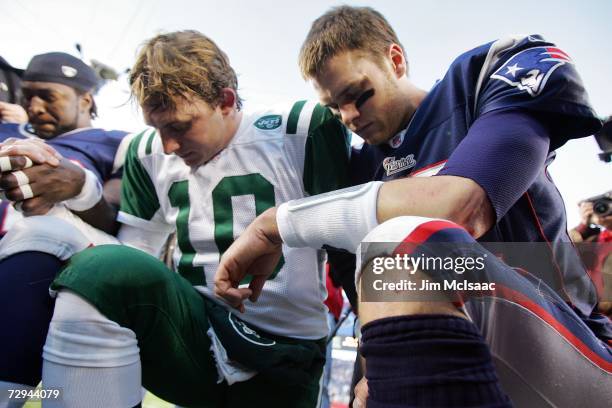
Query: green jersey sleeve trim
{"points": [[326, 163], [122, 151], [294, 117], [138, 195]]}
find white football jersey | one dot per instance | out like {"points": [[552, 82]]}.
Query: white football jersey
{"points": [[276, 155]]}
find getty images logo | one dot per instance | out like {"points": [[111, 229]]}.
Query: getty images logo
{"points": [[393, 166]]}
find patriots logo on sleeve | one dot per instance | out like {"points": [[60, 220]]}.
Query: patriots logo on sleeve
{"points": [[529, 70]]}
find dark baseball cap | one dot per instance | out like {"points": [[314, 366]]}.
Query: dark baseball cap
{"points": [[62, 68]]}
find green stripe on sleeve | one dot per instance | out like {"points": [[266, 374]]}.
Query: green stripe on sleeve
{"points": [[326, 165], [138, 195], [294, 117], [319, 116]]}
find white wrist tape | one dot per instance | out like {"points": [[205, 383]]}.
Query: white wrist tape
{"points": [[339, 219], [90, 194]]}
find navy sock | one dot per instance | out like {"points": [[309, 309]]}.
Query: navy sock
{"points": [[429, 361], [25, 312]]}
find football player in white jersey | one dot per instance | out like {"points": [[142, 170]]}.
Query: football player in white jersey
{"points": [[205, 171]]}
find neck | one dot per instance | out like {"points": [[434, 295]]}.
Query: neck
{"points": [[233, 123], [413, 96], [84, 122]]}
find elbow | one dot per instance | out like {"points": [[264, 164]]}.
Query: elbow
{"points": [[476, 223], [472, 209]]}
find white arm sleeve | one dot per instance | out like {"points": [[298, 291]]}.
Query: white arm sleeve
{"points": [[340, 219], [151, 242]]}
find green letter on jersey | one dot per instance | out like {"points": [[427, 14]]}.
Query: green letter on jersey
{"points": [[179, 197], [250, 184]]}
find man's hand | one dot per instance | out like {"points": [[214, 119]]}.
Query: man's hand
{"points": [[12, 113], [586, 212], [49, 185], [37, 150], [361, 393], [52, 179], [256, 252]]}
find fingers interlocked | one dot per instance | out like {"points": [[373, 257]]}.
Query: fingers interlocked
{"points": [[9, 163], [13, 181]]}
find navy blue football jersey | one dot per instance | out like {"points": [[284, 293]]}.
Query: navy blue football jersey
{"points": [[527, 74], [95, 149]]}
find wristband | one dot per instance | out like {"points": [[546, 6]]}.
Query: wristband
{"points": [[90, 194], [340, 219]]}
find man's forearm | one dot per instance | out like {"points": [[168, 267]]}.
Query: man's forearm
{"points": [[102, 216], [342, 219], [452, 198]]}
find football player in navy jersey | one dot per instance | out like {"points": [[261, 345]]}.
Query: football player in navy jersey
{"points": [[486, 133], [57, 94], [70, 166]]}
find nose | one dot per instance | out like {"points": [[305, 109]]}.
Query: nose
{"points": [[35, 106], [170, 144], [349, 113]]}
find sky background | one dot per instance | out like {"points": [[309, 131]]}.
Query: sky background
{"points": [[262, 39]]}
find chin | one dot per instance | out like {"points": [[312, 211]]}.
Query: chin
{"points": [[192, 163], [195, 162], [375, 139], [45, 134]]}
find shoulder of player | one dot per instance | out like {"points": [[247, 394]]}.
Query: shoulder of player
{"points": [[143, 143], [95, 135], [483, 60], [11, 130], [288, 119]]}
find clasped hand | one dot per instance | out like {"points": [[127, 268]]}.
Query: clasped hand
{"points": [[37, 184]]}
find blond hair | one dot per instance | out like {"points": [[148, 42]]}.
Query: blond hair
{"points": [[343, 29], [181, 64]]}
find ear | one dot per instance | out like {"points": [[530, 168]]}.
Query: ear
{"points": [[399, 65], [229, 98], [85, 102]]}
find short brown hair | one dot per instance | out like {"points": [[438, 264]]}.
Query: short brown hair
{"points": [[181, 64], [342, 29]]}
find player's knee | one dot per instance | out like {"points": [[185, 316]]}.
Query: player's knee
{"points": [[377, 254], [117, 266], [112, 277], [403, 234], [399, 292], [46, 234], [415, 228]]}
